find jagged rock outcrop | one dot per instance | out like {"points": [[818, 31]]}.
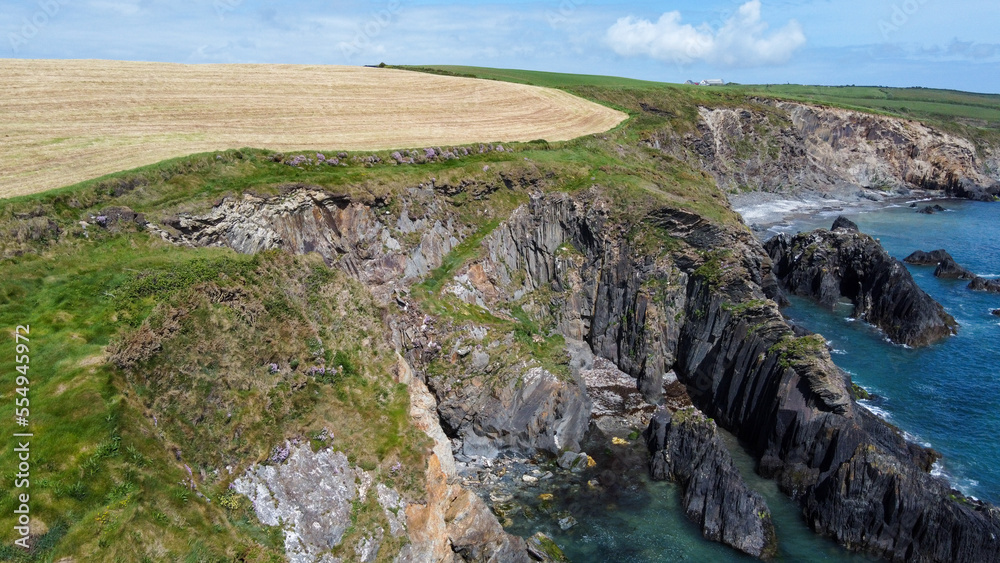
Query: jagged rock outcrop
{"points": [[932, 258], [538, 412], [830, 265], [846, 224], [784, 397], [912, 518], [775, 146], [452, 524], [310, 496], [456, 525], [344, 232], [982, 284], [686, 449], [949, 269]]}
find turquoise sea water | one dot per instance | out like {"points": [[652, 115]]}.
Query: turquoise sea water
{"points": [[947, 395]]}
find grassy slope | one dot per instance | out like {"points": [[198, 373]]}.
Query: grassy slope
{"points": [[107, 480], [108, 477]]}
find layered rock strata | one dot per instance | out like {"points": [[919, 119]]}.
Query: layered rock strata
{"points": [[700, 312], [780, 146], [686, 449], [831, 265]]}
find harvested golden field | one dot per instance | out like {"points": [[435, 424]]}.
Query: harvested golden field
{"points": [[63, 121]]}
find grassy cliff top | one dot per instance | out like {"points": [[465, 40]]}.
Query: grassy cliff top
{"points": [[950, 109]]}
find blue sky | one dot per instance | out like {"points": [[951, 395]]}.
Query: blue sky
{"points": [[933, 43]]}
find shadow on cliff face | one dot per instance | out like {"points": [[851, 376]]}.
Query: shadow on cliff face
{"points": [[670, 293]]}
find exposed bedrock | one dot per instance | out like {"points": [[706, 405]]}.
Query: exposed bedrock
{"points": [[538, 412], [909, 517], [932, 258], [831, 265], [949, 269], [777, 146], [686, 449], [982, 284], [703, 310], [698, 308]]}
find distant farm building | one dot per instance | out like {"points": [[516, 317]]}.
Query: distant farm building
{"points": [[713, 82]]}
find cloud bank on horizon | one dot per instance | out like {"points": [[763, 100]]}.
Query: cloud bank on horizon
{"points": [[892, 43], [741, 41]]}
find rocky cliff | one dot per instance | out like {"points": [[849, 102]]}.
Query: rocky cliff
{"points": [[785, 146], [843, 263], [669, 297], [686, 449]]}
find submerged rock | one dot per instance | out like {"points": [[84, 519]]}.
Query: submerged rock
{"points": [[687, 449], [543, 549], [830, 265], [931, 210]]}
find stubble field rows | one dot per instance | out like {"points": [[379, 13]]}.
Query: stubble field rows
{"points": [[63, 122]]}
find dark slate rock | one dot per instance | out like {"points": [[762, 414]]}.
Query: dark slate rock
{"points": [[829, 265], [949, 269], [932, 258], [982, 284], [846, 224], [687, 449]]}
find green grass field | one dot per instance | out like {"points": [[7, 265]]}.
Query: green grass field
{"points": [[941, 107]]}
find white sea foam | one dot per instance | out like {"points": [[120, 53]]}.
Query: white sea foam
{"points": [[879, 412], [839, 352], [963, 484]]}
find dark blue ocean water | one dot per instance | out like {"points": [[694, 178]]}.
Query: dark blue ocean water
{"points": [[947, 395]]}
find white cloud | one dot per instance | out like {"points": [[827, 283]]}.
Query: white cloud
{"points": [[742, 40]]}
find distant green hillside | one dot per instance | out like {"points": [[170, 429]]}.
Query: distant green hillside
{"points": [[535, 77], [946, 108]]}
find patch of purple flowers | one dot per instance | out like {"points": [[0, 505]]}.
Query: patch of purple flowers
{"points": [[280, 453], [272, 368], [396, 467], [298, 160]]}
